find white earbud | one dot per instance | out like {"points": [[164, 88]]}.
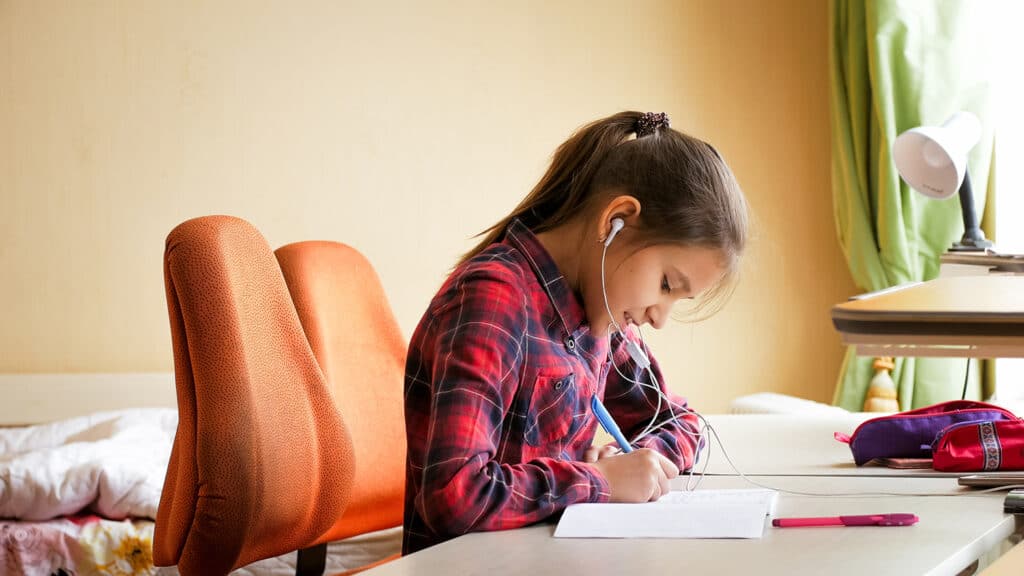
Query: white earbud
{"points": [[617, 224]]}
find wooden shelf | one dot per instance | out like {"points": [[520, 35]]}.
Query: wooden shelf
{"points": [[979, 316]]}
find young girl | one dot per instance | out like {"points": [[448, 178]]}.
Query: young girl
{"points": [[540, 317]]}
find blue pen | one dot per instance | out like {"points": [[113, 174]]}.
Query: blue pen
{"points": [[609, 424]]}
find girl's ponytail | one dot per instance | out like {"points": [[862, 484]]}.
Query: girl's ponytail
{"points": [[565, 187], [688, 194]]}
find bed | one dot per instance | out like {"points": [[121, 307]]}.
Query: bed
{"points": [[82, 463]]}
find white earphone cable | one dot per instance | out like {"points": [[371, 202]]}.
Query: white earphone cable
{"points": [[700, 435]]}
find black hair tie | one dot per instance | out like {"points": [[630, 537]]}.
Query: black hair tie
{"points": [[649, 123]]}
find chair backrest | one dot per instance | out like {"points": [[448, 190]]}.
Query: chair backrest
{"points": [[262, 463], [357, 341]]}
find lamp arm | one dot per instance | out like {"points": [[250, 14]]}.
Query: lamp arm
{"points": [[971, 229], [973, 238]]}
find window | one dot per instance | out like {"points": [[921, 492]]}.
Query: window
{"points": [[1009, 201]]}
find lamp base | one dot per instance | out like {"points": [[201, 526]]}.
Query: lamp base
{"points": [[969, 245]]}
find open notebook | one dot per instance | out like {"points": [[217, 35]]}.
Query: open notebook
{"points": [[697, 514]]}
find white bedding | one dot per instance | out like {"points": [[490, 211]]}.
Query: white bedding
{"points": [[110, 463]]}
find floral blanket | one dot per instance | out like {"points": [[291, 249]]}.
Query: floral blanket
{"points": [[93, 546], [77, 545]]}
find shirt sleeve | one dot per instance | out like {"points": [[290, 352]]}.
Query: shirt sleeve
{"points": [[635, 404], [477, 355]]}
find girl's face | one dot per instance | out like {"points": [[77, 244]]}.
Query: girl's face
{"points": [[643, 285]]}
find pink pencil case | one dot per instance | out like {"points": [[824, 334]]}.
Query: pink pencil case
{"points": [[910, 434], [982, 446]]}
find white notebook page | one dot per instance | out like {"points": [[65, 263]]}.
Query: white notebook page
{"points": [[697, 514]]}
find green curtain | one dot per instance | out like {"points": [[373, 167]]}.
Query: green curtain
{"points": [[897, 64]]}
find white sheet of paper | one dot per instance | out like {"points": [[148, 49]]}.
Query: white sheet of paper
{"points": [[697, 514]]}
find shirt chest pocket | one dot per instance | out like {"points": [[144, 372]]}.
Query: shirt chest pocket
{"points": [[555, 411]]}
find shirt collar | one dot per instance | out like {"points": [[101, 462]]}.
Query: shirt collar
{"points": [[564, 301]]}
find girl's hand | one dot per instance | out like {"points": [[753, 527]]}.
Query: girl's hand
{"points": [[595, 453], [639, 476]]}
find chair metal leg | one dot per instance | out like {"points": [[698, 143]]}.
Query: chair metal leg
{"points": [[312, 561]]}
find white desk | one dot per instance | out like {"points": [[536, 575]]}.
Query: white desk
{"points": [[788, 445], [953, 531]]}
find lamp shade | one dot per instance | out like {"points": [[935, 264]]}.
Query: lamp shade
{"points": [[933, 159]]}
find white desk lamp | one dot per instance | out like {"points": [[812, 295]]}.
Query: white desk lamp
{"points": [[933, 161]]}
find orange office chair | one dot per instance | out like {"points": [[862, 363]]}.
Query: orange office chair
{"points": [[357, 341], [264, 460]]}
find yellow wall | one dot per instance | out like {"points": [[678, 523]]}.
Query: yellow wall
{"points": [[401, 128]]}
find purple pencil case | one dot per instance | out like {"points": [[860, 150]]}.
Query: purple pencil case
{"points": [[910, 434]]}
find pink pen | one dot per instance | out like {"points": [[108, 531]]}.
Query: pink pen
{"points": [[862, 520]]}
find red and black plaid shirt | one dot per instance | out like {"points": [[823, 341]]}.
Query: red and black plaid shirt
{"points": [[498, 382]]}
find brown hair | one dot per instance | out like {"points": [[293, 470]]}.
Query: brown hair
{"points": [[687, 193]]}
